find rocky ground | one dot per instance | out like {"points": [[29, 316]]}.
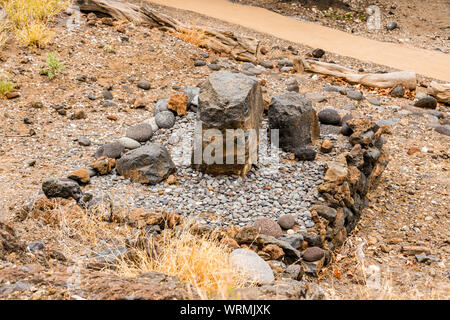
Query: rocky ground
{"points": [[420, 24], [399, 249]]}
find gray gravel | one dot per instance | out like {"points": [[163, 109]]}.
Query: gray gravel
{"points": [[234, 200]]}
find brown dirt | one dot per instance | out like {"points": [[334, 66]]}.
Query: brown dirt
{"points": [[408, 208]]}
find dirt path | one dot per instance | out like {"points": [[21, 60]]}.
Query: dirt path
{"points": [[428, 63]]}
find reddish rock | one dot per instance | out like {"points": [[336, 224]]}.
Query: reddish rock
{"points": [[103, 165], [327, 146], [274, 251], [268, 227], [12, 95], [81, 175], [413, 150], [286, 221], [313, 254], [178, 103]]}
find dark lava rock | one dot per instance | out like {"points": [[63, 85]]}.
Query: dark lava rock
{"points": [[140, 132], [443, 130], [165, 119], [391, 25], [318, 53], [313, 239], [200, 63], [36, 246], [329, 116], [161, 105], [84, 141], [305, 154], [110, 150], [295, 118], [63, 188], [107, 95], [427, 102], [355, 95], [345, 129], [266, 64], [398, 91], [325, 212], [214, 67], [144, 84], [149, 164], [293, 88]]}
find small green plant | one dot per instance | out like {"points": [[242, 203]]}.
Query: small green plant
{"points": [[5, 86], [54, 66], [109, 49]]}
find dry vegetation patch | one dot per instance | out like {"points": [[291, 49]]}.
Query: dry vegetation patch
{"points": [[201, 261], [198, 259], [29, 20]]}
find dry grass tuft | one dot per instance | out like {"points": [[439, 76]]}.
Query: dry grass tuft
{"points": [[4, 32], [35, 34], [30, 19], [199, 260]]}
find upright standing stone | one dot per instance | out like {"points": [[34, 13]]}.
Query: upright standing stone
{"points": [[230, 112], [296, 120]]}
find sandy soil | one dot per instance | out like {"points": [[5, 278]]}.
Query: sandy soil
{"points": [[429, 63], [408, 208]]}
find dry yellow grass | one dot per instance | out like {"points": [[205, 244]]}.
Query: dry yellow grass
{"points": [[22, 12], [35, 34], [4, 33], [199, 260], [73, 227], [30, 19]]}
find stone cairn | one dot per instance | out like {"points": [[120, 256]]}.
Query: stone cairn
{"points": [[233, 101]]}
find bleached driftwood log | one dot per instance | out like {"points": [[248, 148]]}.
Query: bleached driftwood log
{"points": [[441, 91], [377, 80], [116, 9], [238, 47]]}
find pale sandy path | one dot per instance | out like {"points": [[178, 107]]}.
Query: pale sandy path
{"points": [[425, 62]]}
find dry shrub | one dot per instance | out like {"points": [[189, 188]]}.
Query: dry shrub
{"points": [[199, 260], [194, 35], [73, 227]]}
